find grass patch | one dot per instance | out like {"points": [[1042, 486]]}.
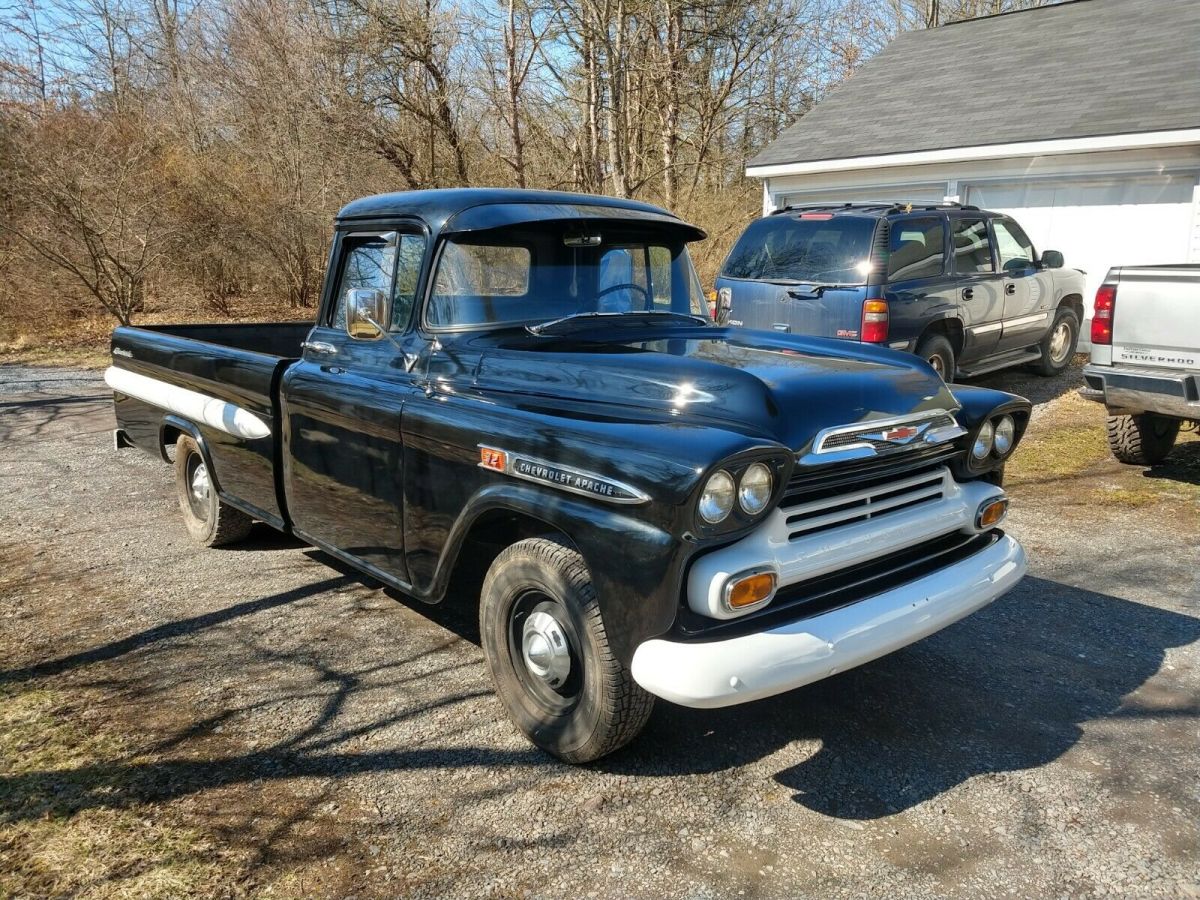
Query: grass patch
{"points": [[57, 840], [1063, 441]]}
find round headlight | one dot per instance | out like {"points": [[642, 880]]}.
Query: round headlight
{"points": [[983, 441], [717, 500], [755, 489], [1006, 432]]}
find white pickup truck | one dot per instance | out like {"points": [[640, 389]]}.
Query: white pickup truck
{"points": [[1145, 365]]}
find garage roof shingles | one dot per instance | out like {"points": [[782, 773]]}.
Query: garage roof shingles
{"points": [[1079, 69]]}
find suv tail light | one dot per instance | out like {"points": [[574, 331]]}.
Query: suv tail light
{"points": [[874, 322], [1102, 318]]}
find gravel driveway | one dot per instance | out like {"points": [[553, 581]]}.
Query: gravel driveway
{"points": [[325, 737]]}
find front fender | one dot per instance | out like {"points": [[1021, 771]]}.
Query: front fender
{"points": [[635, 566]]}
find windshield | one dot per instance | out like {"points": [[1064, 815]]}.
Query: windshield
{"points": [[825, 249], [533, 275]]}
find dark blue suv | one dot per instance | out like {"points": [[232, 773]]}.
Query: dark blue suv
{"points": [[961, 287]]}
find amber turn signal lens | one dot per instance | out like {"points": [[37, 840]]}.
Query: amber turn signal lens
{"points": [[749, 590], [493, 459], [991, 513]]}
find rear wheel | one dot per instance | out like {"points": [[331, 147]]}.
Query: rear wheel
{"points": [[209, 519], [936, 350], [549, 657], [1142, 440], [1058, 346]]}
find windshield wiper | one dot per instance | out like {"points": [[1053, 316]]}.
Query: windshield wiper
{"points": [[584, 317], [816, 289]]}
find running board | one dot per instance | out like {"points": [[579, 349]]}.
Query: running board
{"points": [[1013, 358]]}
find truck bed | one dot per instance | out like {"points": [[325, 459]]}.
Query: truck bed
{"points": [[218, 382]]}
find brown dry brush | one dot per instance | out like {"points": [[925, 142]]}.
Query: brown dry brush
{"points": [[179, 159]]}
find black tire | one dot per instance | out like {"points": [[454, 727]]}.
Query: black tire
{"points": [[936, 350], [209, 520], [1059, 343], [598, 707], [1142, 440]]}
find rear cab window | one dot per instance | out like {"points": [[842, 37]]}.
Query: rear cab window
{"points": [[916, 248], [805, 248]]}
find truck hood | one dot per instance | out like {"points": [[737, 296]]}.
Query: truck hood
{"points": [[783, 387]]}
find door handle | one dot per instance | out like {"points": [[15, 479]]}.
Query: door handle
{"points": [[968, 293], [320, 347], [1010, 288]]}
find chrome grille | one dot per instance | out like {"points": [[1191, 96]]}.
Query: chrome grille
{"points": [[805, 518]]}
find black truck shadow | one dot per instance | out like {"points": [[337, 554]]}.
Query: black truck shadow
{"points": [[1006, 689], [1183, 464]]}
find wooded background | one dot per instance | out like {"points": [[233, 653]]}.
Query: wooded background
{"points": [[184, 159]]}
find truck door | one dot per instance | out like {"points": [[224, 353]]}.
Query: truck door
{"points": [[1027, 292], [342, 452], [981, 298]]}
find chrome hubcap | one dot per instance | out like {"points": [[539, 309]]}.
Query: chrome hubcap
{"points": [[936, 362], [1060, 341], [200, 485], [545, 648]]}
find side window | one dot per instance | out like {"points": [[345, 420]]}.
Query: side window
{"points": [[1015, 249], [915, 249], [389, 263], [367, 262], [972, 247]]}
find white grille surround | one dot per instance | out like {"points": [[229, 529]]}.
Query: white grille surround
{"points": [[806, 540]]}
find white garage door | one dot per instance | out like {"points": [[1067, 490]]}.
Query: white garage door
{"points": [[1098, 224]]}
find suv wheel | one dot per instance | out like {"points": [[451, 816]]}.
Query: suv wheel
{"points": [[209, 519], [936, 350], [1142, 440], [549, 657], [1058, 346]]}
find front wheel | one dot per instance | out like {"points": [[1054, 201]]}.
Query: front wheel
{"points": [[1059, 343], [549, 656], [209, 519]]}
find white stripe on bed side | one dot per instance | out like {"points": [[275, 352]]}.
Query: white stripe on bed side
{"points": [[191, 405]]}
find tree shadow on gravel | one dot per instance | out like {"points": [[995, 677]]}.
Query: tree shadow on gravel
{"points": [[1006, 689]]}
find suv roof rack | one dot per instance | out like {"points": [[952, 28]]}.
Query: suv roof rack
{"points": [[885, 206]]}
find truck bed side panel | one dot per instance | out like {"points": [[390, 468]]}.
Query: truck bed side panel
{"points": [[179, 373]]}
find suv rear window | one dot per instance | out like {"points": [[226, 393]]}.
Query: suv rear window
{"points": [[793, 248]]}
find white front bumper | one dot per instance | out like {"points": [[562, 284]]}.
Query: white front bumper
{"points": [[741, 669]]}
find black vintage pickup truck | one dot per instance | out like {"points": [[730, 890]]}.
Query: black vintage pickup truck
{"points": [[522, 384]]}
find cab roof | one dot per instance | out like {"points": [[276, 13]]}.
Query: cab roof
{"points": [[472, 209]]}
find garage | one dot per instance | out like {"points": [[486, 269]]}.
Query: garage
{"points": [[1096, 155]]}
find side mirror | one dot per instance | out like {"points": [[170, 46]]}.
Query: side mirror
{"points": [[1052, 259], [724, 305], [366, 314]]}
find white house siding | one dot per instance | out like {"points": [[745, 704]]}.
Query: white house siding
{"points": [[1103, 209]]}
